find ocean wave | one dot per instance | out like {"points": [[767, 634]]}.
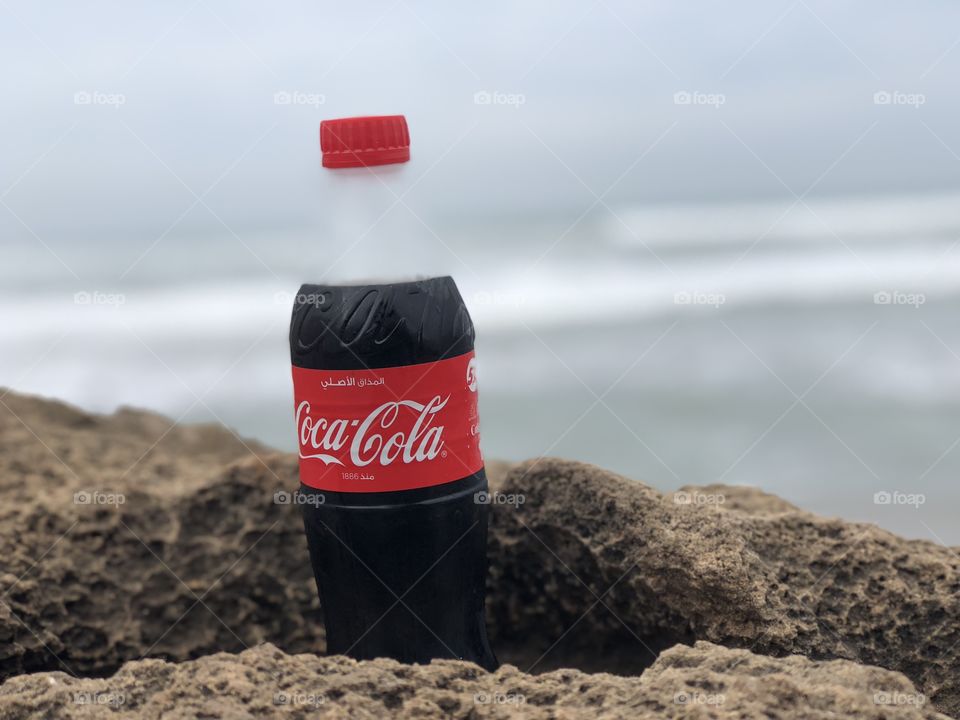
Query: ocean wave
{"points": [[557, 293], [790, 220], [612, 292]]}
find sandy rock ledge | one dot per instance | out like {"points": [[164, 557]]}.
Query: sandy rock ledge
{"points": [[702, 681], [590, 571], [618, 572]]}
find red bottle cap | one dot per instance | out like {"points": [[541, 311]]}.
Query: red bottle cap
{"points": [[364, 141]]}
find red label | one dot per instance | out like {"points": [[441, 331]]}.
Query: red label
{"points": [[390, 428]]}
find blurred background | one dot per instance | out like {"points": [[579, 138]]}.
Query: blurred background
{"points": [[700, 242]]}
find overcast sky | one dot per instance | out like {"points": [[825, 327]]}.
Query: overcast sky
{"points": [[117, 115]]}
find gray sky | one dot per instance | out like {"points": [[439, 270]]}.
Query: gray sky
{"points": [[183, 97]]}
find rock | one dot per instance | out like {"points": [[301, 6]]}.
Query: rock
{"points": [[619, 572], [588, 569], [734, 497], [701, 681], [197, 557]]}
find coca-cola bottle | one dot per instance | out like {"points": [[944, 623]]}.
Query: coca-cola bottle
{"points": [[392, 481]]}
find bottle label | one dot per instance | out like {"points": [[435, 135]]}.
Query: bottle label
{"points": [[388, 429]]}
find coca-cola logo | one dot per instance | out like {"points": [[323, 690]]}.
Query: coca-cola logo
{"points": [[403, 430], [389, 428]]}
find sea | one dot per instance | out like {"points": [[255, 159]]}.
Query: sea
{"points": [[806, 346]]}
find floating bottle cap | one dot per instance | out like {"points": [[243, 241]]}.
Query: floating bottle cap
{"points": [[364, 141]]}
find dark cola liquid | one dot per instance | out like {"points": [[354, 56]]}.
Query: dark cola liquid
{"points": [[400, 574]]}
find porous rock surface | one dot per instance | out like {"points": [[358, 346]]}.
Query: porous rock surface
{"points": [[198, 557], [588, 569], [633, 571], [701, 681]]}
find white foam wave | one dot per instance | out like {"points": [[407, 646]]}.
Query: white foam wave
{"points": [[856, 219]]}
